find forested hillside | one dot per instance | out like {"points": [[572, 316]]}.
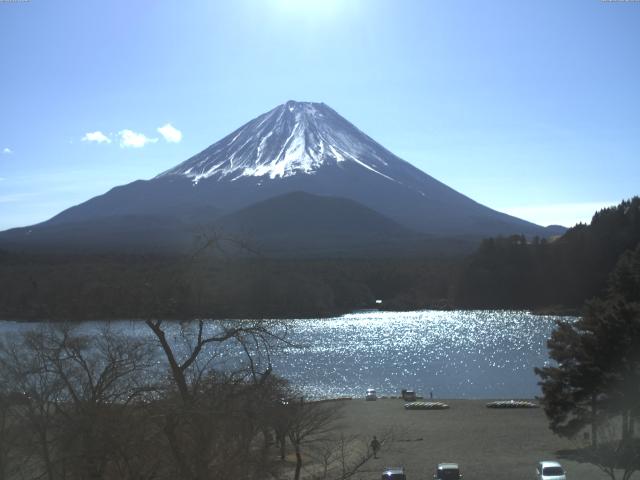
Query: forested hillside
{"points": [[111, 287], [504, 273], [515, 273]]}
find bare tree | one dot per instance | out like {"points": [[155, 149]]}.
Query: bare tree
{"points": [[76, 392], [102, 405], [25, 373], [217, 368], [340, 457], [309, 422], [11, 435]]}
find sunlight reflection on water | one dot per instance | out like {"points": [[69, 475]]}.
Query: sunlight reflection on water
{"points": [[455, 354]]}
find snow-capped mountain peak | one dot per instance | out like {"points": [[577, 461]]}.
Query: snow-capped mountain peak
{"points": [[297, 163], [293, 138]]}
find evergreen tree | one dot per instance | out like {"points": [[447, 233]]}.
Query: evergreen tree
{"points": [[598, 359], [515, 273]]}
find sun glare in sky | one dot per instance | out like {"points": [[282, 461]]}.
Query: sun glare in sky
{"points": [[526, 107]]}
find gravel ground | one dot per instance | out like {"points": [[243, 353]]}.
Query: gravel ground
{"points": [[496, 444]]}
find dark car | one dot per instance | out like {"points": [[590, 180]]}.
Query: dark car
{"points": [[409, 395]]}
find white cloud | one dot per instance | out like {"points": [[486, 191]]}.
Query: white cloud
{"points": [[7, 151], [96, 136], [170, 133], [129, 138]]}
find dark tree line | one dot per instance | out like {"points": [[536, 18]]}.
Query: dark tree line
{"points": [[116, 286], [512, 272], [516, 272]]}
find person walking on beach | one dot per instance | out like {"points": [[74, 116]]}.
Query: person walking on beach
{"points": [[375, 446]]}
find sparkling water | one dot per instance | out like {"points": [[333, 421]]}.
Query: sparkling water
{"points": [[450, 354]]}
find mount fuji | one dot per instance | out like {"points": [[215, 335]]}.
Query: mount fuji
{"points": [[299, 172]]}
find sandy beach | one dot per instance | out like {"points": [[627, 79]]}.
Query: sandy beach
{"points": [[497, 444]]}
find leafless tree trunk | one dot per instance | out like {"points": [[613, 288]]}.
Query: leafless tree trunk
{"points": [[594, 420], [341, 457], [309, 422], [206, 396]]}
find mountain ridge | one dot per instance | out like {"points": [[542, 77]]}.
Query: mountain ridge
{"points": [[296, 147]]}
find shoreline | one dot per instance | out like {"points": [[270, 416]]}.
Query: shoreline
{"points": [[500, 444], [541, 312]]}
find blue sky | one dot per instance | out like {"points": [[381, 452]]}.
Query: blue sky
{"points": [[529, 107]]}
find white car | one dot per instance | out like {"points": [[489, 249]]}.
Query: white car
{"points": [[550, 471], [447, 471], [371, 394]]}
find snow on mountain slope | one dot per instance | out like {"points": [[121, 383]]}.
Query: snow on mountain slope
{"points": [[296, 147], [293, 138]]}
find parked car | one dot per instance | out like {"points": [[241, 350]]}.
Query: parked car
{"points": [[447, 471], [394, 473], [371, 394], [550, 471]]}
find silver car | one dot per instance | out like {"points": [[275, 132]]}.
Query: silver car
{"points": [[394, 473], [447, 471], [548, 470]]}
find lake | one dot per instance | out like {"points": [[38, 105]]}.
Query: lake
{"points": [[454, 354]]}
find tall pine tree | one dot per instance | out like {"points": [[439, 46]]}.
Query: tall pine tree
{"points": [[597, 371]]}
